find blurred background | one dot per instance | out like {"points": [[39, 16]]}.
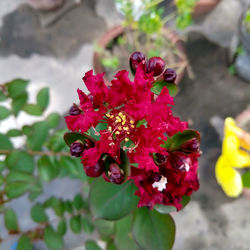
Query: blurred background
{"points": [[53, 43]]}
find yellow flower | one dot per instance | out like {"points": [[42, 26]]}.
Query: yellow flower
{"points": [[233, 156]]}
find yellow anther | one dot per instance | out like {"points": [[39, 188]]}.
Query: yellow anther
{"points": [[132, 122], [120, 128], [112, 116], [120, 114], [118, 119], [126, 139], [117, 132], [123, 123], [128, 133], [109, 129], [125, 128], [108, 115], [132, 126]]}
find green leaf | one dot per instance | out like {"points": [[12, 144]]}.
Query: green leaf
{"points": [[111, 246], [91, 245], [87, 225], [164, 209], [246, 179], [18, 103], [56, 142], [168, 209], [68, 206], [112, 202], [43, 98], [125, 165], [33, 109], [16, 189], [79, 203], [53, 120], [73, 167], [20, 161], [56, 204], [75, 224], [104, 227], [176, 141], [123, 236], [48, 170], [24, 243], [158, 86], [5, 143], [153, 230], [1, 180], [141, 122], [69, 138], [38, 136], [4, 113], [2, 96], [10, 220], [38, 214], [62, 227], [14, 176], [52, 239], [14, 133], [2, 166], [16, 87]]}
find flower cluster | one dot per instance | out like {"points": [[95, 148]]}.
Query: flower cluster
{"points": [[235, 147], [133, 122]]}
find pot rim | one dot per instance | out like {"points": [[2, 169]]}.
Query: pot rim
{"points": [[114, 32]]}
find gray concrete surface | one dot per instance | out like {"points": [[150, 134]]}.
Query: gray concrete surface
{"points": [[59, 55]]}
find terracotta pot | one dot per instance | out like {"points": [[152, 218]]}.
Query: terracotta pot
{"points": [[46, 5], [244, 35], [116, 31], [204, 6]]}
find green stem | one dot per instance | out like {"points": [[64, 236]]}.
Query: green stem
{"points": [[40, 153]]}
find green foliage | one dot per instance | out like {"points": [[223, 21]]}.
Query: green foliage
{"points": [[52, 239], [38, 214], [10, 220], [4, 113], [24, 243], [246, 21], [184, 9], [112, 202], [91, 245], [112, 62], [153, 230], [246, 179], [158, 86]]}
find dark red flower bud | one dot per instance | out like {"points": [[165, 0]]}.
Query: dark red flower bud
{"points": [[96, 170], [74, 110], [160, 159], [115, 173], [155, 64], [76, 149], [88, 144], [135, 59], [191, 146], [169, 75], [180, 161]]}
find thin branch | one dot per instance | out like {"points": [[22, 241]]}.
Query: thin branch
{"points": [[40, 153]]}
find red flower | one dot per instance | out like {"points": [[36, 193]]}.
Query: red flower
{"points": [[121, 107], [168, 186]]}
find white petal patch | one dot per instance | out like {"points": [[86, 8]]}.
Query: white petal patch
{"points": [[185, 166], [161, 184]]}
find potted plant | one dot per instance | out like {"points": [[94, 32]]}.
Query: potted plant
{"points": [[142, 30], [189, 9]]}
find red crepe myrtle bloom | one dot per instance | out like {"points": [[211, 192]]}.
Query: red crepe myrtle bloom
{"points": [[168, 186], [123, 107]]}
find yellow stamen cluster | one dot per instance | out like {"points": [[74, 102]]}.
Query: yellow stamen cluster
{"points": [[121, 124]]}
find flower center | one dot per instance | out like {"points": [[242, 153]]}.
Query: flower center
{"points": [[161, 184], [120, 126]]}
